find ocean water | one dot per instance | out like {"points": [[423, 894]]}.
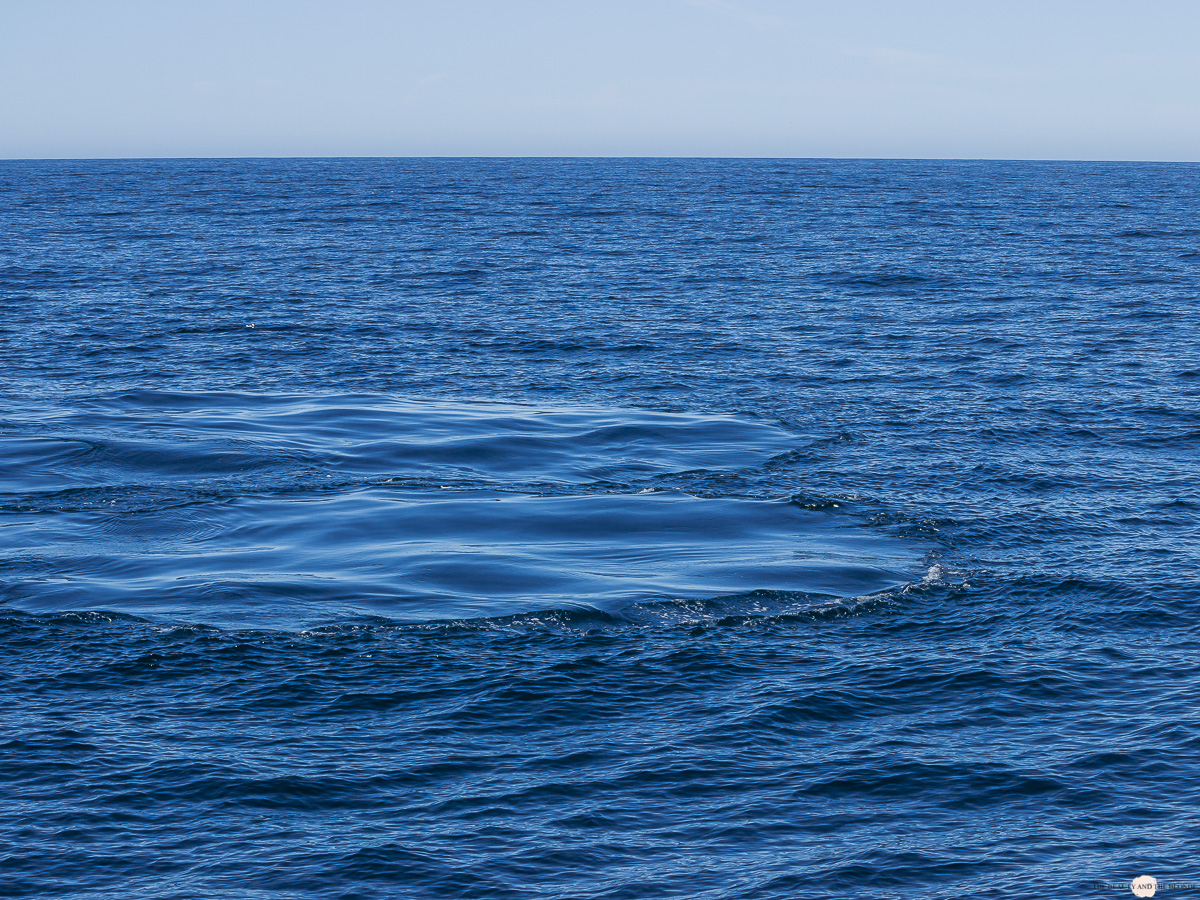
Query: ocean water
{"points": [[598, 528]]}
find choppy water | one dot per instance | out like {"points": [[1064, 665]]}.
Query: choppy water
{"points": [[598, 528]]}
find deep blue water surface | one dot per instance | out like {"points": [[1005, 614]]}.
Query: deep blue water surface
{"points": [[598, 529]]}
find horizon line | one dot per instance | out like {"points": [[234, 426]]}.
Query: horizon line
{"points": [[464, 156]]}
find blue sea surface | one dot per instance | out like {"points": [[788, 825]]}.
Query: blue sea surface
{"points": [[598, 529]]}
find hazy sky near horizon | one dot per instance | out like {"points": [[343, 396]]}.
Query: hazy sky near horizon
{"points": [[1101, 79]]}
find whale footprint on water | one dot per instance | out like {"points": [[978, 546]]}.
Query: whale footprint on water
{"points": [[288, 510]]}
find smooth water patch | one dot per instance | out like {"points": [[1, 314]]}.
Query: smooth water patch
{"points": [[300, 511], [158, 437]]}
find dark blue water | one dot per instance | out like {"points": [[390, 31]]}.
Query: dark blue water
{"points": [[598, 528]]}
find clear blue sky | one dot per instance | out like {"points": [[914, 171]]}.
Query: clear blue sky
{"points": [[1082, 79]]}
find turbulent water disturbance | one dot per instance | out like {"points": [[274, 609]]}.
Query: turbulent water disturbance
{"points": [[598, 528]]}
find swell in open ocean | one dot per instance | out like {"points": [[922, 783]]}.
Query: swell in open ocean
{"points": [[598, 528]]}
